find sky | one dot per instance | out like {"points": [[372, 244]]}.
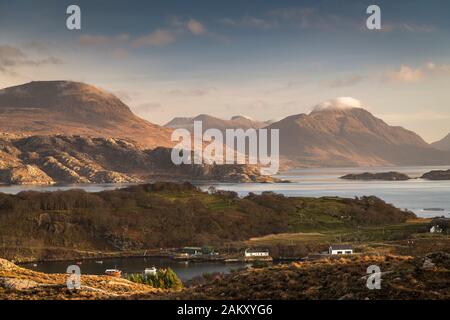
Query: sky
{"points": [[261, 59]]}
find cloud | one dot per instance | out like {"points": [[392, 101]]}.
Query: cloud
{"points": [[158, 38], [250, 22], [13, 57], [120, 53], [339, 103], [191, 92], [101, 40], [404, 74], [407, 27], [409, 74], [196, 27], [145, 109], [346, 81]]}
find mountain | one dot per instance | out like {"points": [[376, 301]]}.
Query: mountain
{"points": [[351, 137], [443, 144], [209, 122], [74, 108], [48, 159]]}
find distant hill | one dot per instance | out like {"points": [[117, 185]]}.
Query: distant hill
{"points": [[443, 144], [209, 122], [351, 137], [66, 107]]}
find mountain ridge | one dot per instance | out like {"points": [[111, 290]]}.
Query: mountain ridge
{"points": [[67, 107], [443, 144]]}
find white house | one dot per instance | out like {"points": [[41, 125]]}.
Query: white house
{"points": [[253, 253], [436, 229], [150, 271], [335, 249]]}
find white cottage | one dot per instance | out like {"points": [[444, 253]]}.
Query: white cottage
{"points": [[254, 253], [336, 249]]}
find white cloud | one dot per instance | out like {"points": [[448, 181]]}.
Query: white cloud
{"points": [[339, 103], [411, 74], [405, 74]]}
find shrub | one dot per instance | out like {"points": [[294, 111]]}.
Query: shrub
{"points": [[163, 278]]}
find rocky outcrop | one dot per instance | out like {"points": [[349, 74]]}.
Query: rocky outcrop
{"points": [[385, 176], [81, 159], [25, 174], [20, 283], [437, 175]]}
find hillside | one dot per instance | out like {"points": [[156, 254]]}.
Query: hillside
{"points": [[351, 137], [403, 277], [18, 283], [73, 108], [443, 144], [81, 159], [74, 224]]}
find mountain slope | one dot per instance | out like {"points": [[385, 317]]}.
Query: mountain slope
{"points": [[443, 144], [66, 107], [48, 159], [210, 122], [351, 137]]}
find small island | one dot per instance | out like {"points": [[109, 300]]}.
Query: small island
{"points": [[437, 175], [384, 176]]}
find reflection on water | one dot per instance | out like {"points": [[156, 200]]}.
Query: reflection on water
{"points": [[184, 270], [415, 195]]}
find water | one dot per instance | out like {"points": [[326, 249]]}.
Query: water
{"points": [[14, 189], [185, 271], [415, 195]]}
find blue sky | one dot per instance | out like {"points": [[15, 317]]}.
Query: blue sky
{"points": [[262, 59]]}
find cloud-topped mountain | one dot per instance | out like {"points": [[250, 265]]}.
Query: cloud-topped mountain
{"points": [[208, 122], [443, 144], [349, 136], [66, 107]]}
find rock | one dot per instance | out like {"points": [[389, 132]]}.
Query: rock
{"points": [[437, 175], [428, 264], [17, 284], [25, 174], [385, 176], [348, 296]]}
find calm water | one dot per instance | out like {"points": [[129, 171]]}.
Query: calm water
{"points": [[415, 195], [185, 271]]}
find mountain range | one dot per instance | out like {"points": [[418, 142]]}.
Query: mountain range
{"points": [[336, 137], [65, 126], [210, 122]]}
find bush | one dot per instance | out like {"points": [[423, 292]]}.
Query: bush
{"points": [[163, 278]]}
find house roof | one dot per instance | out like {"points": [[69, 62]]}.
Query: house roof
{"points": [[256, 250], [341, 247]]}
